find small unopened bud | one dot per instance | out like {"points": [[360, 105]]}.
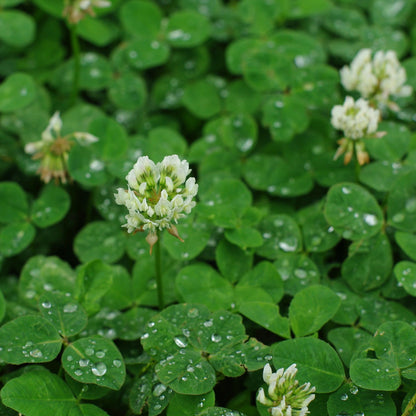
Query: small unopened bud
{"points": [[174, 231], [151, 239]]}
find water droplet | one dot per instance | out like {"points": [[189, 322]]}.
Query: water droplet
{"points": [[89, 352], [399, 217], [180, 341], [99, 369], [100, 354], [46, 305], [159, 389], [354, 390], [179, 34], [117, 363], [300, 273], [216, 338], [190, 369], [36, 353], [84, 362], [208, 323], [370, 219], [411, 205], [347, 234], [78, 373], [344, 397], [70, 307], [286, 246], [193, 313], [186, 332], [345, 190]]}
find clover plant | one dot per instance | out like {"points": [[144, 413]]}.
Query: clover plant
{"points": [[289, 288]]}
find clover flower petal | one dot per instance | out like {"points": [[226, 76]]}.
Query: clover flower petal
{"points": [[284, 395], [376, 78], [356, 118]]}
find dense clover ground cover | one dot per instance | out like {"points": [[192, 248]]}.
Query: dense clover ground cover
{"points": [[293, 290]]}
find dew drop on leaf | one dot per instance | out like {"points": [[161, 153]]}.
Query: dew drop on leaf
{"points": [[99, 369], [100, 354], [370, 219], [216, 338], [84, 362], [89, 352], [70, 308], [159, 389], [399, 217], [180, 341], [117, 363], [36, 353], [411, 205]]}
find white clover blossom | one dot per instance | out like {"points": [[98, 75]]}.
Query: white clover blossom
{"points": [[157, 195], [53, 149], [376, 78], [284, 396], [356, 118], [76, 10]]}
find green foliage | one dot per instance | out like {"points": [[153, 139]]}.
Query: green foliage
{"points": [[289, 256]]}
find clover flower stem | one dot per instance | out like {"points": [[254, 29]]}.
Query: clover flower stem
{"points": [[357, 169], [410, 406], [158, 272], [76, 55]]}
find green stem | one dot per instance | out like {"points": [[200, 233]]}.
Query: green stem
{"points": [[410, 406], [158, 271], [76, 55], [357, 170]]}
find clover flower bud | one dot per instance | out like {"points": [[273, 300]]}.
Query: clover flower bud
{"points": [[53, 150], [156, 197], [284, 395], [376, 78]]}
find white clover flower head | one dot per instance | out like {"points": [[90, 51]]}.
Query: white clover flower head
{"points": [[376, 78], [356, 118], [284, 395], [158, 195]]}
